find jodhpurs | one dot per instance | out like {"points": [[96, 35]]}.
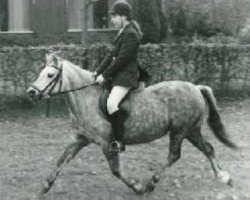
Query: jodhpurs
{"points": [[116, 95]]}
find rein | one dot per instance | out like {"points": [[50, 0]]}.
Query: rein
{"points": [[72, 90]]}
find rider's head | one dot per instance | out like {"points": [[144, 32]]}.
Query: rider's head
{"points": [[120, 12]]}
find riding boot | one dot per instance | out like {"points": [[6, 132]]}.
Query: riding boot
{"points": [[117, 122]]}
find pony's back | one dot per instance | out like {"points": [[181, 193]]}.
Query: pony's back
{"points": [[151, 112]]}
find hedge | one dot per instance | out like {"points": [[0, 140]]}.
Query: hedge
{"points": [[223, 67], [33, 39]]}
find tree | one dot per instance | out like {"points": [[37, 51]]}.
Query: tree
{"points": [[151, 18], [206, 17]]}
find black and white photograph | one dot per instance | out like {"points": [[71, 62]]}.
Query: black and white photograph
{"points": [[125, 99]]}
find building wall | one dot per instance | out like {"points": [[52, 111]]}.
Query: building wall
{"points": [[49, 16], [40, 16], [19, 15], [101, 35], [74, 12], [46, 17]]}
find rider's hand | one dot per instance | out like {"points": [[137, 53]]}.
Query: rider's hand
{"points": [[100, 79], [95, 74]]}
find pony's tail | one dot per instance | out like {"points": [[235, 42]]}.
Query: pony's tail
{"points": [[214, 119]]}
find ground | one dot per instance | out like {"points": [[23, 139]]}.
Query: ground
{"points": [[31, 143]]}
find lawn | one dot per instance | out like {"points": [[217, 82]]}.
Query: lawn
{"points": [[31, 143]]}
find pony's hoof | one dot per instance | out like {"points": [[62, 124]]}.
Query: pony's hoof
{"points": [[224, 177], [230, 182], [150, 187], [45, 188], [138, 188]]}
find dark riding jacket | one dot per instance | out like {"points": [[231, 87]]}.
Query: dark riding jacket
{"points": [[120, 65]]}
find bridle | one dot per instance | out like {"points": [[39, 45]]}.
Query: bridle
{"points": [[53, 83]]}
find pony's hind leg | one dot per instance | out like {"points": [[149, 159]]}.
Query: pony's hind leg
{"points": [[69, 153], [176, 139], [114, 164], [207, 149]]}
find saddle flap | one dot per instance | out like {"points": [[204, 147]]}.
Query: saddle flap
{"points": [[103, 102]]}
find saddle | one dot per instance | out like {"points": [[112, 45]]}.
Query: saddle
{"points": [[105, 94]]}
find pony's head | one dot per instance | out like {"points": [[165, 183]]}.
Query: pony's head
{"points": [[49, 80]]}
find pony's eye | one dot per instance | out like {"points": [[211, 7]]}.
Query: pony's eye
{"points": [[50, 75]]}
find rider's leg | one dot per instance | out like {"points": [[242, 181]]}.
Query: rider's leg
{"points": [[117, 116]]}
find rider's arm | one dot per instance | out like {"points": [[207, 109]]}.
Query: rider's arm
{"points": [[104, 64], [128, 49]]}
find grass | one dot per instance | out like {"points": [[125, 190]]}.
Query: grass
{"points": [[30, 144]]}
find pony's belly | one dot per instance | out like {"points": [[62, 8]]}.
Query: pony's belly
{"points": [[137, 131], [143, 138]]}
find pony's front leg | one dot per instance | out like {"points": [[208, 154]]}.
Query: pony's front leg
{"points": [[114, 163], [69, 153]]}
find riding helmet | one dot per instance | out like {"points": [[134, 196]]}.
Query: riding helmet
{"points": [[121, 7]]}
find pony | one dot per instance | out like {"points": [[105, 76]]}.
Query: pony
{"points": [[174, 108]]}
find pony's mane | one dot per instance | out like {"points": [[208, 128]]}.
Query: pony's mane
{"points": [[76, 70]]}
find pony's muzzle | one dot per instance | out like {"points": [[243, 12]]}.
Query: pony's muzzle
{"points": [[33, 94]]}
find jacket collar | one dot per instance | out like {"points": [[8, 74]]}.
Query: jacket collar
{"points": [[121, 33]]}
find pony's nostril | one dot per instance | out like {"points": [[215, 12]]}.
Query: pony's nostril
{"points": [[31, 92]]}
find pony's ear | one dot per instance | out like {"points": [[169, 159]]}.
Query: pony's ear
{"points": [[55, 59], [52, 58], [49, 56]]}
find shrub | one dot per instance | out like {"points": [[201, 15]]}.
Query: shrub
{"points": [[223, 67], [33, 39]]}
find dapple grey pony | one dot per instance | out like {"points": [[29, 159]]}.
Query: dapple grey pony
{"points": [[173, 108]]}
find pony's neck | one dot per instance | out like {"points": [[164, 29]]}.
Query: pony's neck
{"points": [[75, 77], [84, 100]]}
